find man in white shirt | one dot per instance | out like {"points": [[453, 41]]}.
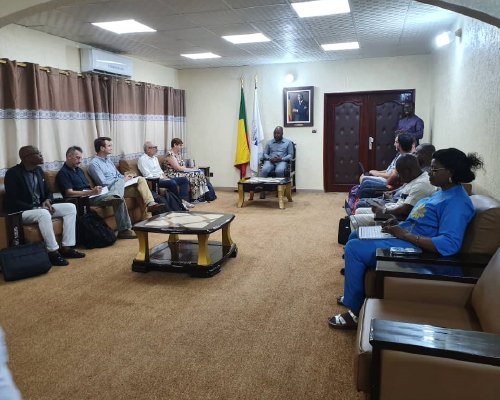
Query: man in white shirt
{"points": [[417, 186], [149, 166]]}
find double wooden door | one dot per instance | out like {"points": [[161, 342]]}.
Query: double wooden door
{"points": [[359, 127]]}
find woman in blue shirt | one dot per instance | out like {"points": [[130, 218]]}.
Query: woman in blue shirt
{"points": [[436, 224]]}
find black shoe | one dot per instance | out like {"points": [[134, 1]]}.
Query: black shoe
{"points": [[57, 260], [156, 209], [70, 253]]}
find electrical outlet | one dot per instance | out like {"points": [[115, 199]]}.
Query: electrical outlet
{"points": [[211, 174]]}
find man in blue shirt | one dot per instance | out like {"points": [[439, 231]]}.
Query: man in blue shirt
{"points": [[72, 182], [277, 154], [104, 173]]}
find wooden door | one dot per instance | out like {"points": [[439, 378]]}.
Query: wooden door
{"points": [[359, 127]]}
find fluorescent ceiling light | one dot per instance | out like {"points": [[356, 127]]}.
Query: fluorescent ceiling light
{"points": [[340, 46], [125, 26], [200, 56], [249, 38], [321, 7], [443, 39]]}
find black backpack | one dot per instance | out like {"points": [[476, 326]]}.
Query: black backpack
{"points": [[210, 195], [171, 201], [92, 231]]}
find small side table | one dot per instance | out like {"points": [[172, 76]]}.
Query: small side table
{"points": [[282, 186]]}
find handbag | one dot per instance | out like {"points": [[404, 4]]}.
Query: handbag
{"points": [[344, 230], [24, 261]]}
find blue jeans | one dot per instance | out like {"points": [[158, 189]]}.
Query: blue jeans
{"points": [[359, 257], [278, 168], [179, 186]]}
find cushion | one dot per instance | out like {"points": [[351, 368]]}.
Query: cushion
{"points": [[483, 233], [485, 298]]}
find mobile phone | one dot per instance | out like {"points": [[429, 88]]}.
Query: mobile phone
{"points": [[404, 251]]}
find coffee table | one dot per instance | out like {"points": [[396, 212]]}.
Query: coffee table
{"points": [[282, 185], [199, 257]]}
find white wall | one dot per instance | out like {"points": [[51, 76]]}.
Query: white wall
{"points": [[466, 98], [213, 95], [23, 44]]}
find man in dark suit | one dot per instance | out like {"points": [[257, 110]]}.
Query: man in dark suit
{"points": [[27, 191]]}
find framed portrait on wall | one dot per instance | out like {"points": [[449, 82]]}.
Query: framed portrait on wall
{"points": [[298, 106]]}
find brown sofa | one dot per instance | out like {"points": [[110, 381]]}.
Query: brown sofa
{"points": [[12, 230], [429, 338]]}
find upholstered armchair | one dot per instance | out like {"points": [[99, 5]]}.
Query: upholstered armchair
{"points": [[431, 337]]}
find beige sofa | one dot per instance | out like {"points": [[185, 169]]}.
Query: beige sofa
{"points": [[12, 231]]}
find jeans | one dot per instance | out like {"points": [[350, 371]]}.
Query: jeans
{"points": [[43, 218], [278, 168], [116, 189], [178, 185]]}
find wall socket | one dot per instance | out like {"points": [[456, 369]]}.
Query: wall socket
{"points": [[211, 174]]}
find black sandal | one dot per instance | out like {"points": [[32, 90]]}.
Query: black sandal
{"points": [[346, 321]]}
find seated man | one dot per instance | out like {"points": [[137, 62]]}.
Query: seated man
{"points": [[417, 186], [27, 191], [277, 154], [73, 183], [104, 173], [149, 166]]}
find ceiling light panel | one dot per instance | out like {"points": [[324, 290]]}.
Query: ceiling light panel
{"points": [[321, 8], [248, 38], [268, 13], [340, 46], [124, 26], [200, 56]]}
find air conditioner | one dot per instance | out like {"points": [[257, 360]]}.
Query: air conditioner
{"points": [[102, 62]]}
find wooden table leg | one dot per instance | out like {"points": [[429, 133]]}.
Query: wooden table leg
{"points": [[173, 238], [143, 254], [226, 236], [288, 191], [281, 189], [241, 195], [203, 255]]}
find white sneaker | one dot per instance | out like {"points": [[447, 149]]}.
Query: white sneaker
{"points": [[187, 204]]}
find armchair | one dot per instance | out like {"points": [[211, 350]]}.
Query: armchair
{"points": [[290, 169], [481, 240], [429, 338]]}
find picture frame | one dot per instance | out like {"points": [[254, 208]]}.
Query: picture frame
{"points": [[298, 106]]}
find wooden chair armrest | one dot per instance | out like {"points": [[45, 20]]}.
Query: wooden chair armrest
{"points": [[464, 260], [454, 344], [154, 184], [13, 227]]}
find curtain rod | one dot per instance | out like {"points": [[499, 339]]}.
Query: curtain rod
{"points": [[67, 73]]}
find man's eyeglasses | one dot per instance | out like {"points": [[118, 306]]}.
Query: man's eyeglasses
{"points": [[152, 147], [434, 170]]}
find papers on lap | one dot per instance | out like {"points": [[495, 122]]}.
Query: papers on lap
{"points": [[132, 181], [373, 232], [104, 190]]}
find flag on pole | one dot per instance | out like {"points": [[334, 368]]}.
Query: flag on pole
{"points": [[242, 151], [257, 134]]}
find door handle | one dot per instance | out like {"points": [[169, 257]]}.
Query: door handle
{"points": [[370, 142]]}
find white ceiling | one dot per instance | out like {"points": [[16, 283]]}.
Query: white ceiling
{"points": [[382, 28]]}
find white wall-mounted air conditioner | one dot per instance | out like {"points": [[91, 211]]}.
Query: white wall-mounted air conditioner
{"points": [[102, 62]]}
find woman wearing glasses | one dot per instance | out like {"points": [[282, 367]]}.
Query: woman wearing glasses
{"points": [[436, 224]]}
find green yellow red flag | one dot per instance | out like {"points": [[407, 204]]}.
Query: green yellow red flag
{"points": [[242, 157]]}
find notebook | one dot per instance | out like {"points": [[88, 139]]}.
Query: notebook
{"points": [[373, 232]]}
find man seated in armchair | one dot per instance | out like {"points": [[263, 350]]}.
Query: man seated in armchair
{"points": [[73, 183], [277, 154], [26, 190]]}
